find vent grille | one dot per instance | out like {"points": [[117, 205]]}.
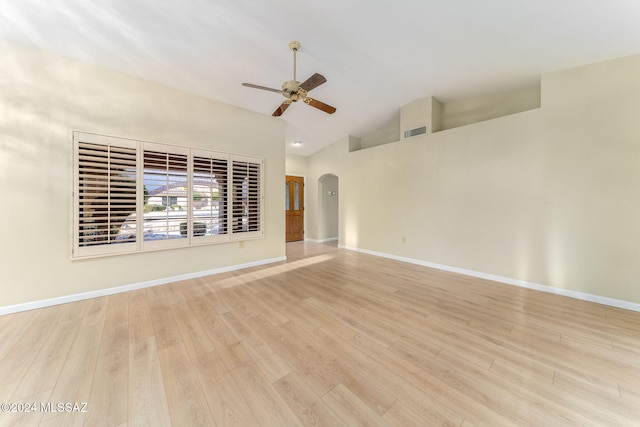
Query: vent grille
{"points": [[415, 132]]}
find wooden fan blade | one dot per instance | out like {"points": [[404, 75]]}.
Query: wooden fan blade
{"points": [[313, 82], [320, 105], [281, 109], [261, 87]]}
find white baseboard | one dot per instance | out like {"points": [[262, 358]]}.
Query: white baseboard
{"points": [[509, 281], [126, 288], [328, 239]]}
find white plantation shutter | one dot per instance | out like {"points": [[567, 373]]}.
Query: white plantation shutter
{"points": [[105, 194], [166, 183], [247, 197], [134, 196], [210, 184]]}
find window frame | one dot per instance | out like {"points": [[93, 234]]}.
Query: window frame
{"points": [[81, 249]]}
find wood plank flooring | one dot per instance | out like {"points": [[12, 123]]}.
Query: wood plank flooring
{"points": [[330, 337]]}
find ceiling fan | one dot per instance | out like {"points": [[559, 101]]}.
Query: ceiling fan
{"points": [[294, 91]]}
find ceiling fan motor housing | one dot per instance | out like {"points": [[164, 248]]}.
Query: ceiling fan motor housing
{"points": [[291, 89]]}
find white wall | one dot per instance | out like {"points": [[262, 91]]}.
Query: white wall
{"points": [[549, 196], [43, 97]]}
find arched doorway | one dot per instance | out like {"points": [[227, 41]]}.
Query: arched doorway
{"points": [[328, 208]]}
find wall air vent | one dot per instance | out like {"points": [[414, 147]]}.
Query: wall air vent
{"points": [[415, 132]]}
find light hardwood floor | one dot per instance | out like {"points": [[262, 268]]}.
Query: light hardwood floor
{"points": [[330, 337]]}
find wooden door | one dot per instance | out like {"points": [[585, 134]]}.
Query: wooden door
{"points": [[295, 208]]}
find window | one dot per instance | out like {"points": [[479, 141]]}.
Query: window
{"points": [[210, 196], [246, 200], [133, 196], [165, 176]]}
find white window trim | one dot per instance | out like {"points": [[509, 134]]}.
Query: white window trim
{"points": [[79, 251]]}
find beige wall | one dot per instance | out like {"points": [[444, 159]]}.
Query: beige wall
{"points": [[388, 131], [467, 111], [329, 160], [328, 217], [549, 196], [296, 165], [43, 98]]}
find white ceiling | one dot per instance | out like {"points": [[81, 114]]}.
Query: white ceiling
{"points": [[377, 55]]}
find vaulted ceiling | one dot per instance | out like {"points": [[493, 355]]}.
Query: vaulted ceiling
{"points": [[376, 55]]}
